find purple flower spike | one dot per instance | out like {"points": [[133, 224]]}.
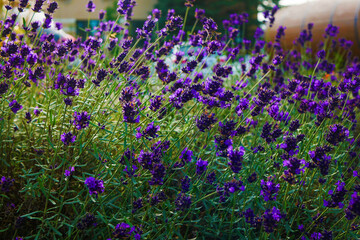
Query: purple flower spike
{"points": [[186, 155], [353, 209], [68, 138], [81, 120], [38, 5], [321, 54], [95, 186], [90, 7], [52, 7], [182, 202], [337, 196], [37, 111], [15, 106], [331, 31], [271, 218], [337, 134], [205, 121], [269, 189], [149, 132], [23, 3], [6, 183], [69, 172], [88, 221], [201, 166], [236, 158]]}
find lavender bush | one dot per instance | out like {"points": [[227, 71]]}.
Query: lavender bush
{"points": [[176, 135]]}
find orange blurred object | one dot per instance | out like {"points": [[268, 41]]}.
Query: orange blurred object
{"points": [[344, 14]]}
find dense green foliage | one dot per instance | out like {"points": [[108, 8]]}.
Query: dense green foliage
{"points": [[198, 139]]}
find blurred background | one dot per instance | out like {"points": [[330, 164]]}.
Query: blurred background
{"points": [[73, 14], [295, 15]]}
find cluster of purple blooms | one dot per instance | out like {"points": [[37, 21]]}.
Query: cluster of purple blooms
{"points": [[201, 166], [185, 157], [269, 189], [6, 183], [150, 131], [152, 161], [337, 196], [15, 106], [229, 188], [205, 121], [68, 172], [182, 202], [130, 105], [293, 165], [68, 138], [269, 219], [88, 221], [81, 120], [236, 158], [124, 231], [320, 159], [95, 186]]}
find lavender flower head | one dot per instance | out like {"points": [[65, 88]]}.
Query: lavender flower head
{"points": [[331, 31], [149, 132], [158, 173], [228, 188], [69, 171], [68, 138], [156, 13], [236, 158], [250, 218], [201, 166], [211, 178], [185, 184], [252, 178], [337, 134], [28, 117], [124, 6], [321, 54], [189, 3], [321, 160], [15, 106], [123, 230], [89, 220], [6, 183], [90, 7], [182, 202], [102, 14], [337, 196], [294, 125], [52, 7], [95, 186], [38, 5], [156, 102], [23, 3], [353, 209], [186, 155], [3, 88], [271, 218], [81, 120], [37, 111], [210, 25], [269, 189], [205, 121], [130, 111], [199, 14]]}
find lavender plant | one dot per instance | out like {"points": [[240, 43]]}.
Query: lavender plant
{"points": [[172, 134]]}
